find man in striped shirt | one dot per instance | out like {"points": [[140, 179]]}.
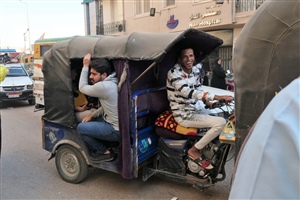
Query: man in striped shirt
{"points": [[184, 93]]}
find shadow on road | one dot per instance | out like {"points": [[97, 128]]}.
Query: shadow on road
{"points": [[14, 104]]}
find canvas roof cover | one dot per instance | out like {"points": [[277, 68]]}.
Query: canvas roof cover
{"points": [[136, 46]]}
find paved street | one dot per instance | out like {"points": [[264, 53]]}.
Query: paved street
{"points": [[27, 174]]}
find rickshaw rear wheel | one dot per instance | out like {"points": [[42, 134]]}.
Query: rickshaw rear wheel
{"points": [[70, 164]]}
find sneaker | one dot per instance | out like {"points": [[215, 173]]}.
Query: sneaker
{"points": [[97, 157]]}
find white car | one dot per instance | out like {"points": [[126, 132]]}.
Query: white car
{"points": [[17, 84]]}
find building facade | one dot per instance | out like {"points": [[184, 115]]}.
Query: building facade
{"points": [[222, 18]]}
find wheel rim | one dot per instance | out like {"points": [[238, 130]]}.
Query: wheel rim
{"points": [[69, 164]]}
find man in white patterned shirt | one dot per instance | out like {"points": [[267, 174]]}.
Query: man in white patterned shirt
{"points": [[184, 91]]}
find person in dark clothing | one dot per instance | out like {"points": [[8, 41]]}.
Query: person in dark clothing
{"points": [[219, 75], [205, 78]]}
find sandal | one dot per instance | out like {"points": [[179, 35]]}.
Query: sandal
{"points": [[202, 162]]}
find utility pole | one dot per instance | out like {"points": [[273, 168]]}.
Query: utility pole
{"points": [[28, 29], [25, 42]]}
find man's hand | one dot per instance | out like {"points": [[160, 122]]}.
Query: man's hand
{"points": [[79, 108], [88, 118], [208, 105], [225, 98], [87, 60]]}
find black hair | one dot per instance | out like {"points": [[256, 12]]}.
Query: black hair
{"points": [[101, 65]]}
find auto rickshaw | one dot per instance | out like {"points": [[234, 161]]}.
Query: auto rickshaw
{"points": [[141, 61]]}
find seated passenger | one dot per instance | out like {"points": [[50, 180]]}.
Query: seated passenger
{"points": [[84, 106], [106, 128], [184, 91]]}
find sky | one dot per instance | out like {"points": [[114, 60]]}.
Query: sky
{"points": [[55, 18]]}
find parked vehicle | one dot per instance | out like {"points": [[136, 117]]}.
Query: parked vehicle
{"points": [[17, 84], [141, 62], [41, 46], [28, 60]]}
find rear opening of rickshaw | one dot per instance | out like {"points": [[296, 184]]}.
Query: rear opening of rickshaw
{"points": [[147, 100]]}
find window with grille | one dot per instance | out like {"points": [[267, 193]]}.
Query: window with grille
{"points": [[247, 5], [225, 53], [142, 6]]}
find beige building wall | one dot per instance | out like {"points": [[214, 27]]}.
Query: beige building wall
{"points": [[204, 15], [112, 11], [220, 20]]}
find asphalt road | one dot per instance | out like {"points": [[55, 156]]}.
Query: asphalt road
{"points": [[26, 172]]}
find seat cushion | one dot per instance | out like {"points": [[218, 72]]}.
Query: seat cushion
{"points": [[167, 121]]}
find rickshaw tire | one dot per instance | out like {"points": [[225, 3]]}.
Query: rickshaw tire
{"points": [[70, 164]]}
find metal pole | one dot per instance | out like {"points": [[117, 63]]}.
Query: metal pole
{"points": [[28, 25], [101, 18], [25, 42]]}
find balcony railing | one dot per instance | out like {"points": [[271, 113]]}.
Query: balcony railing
{"points": [[248, 5], [114, 27]]}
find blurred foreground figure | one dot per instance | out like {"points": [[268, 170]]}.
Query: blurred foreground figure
{"points": [[268, 165]]}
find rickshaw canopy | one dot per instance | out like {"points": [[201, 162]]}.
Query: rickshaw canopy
{"points": [[137, 47]]}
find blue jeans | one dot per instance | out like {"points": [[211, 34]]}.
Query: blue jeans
{"points": [[95, 132]]}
